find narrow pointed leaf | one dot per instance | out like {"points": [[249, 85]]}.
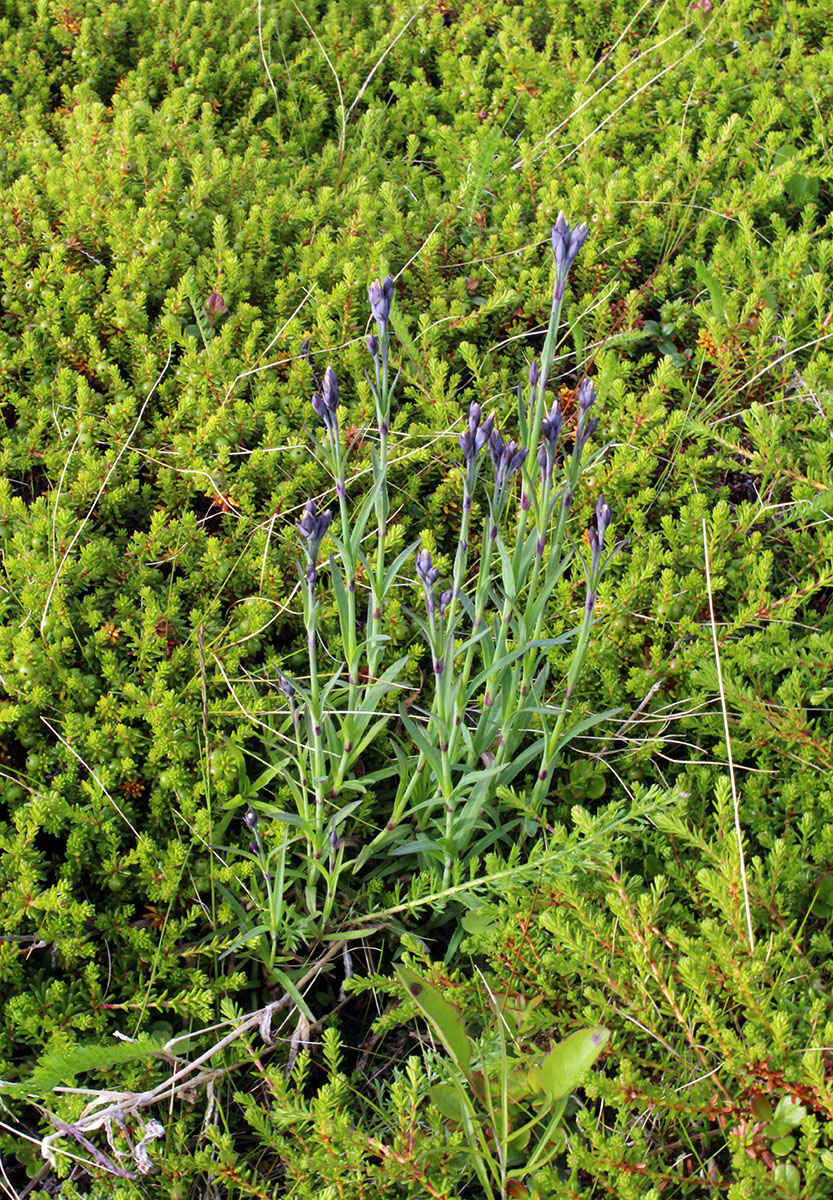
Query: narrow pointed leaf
{"points": [[431, 753]]}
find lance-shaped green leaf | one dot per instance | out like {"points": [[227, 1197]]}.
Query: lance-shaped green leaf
{"points": [[506, 659], [429, 751], [564, 1066], [444, 1018], [342, 602], [581, 726]]}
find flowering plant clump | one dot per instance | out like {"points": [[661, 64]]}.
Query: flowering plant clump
{"points": [[491, 718]]}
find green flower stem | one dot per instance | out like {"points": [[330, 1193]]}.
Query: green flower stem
{"points": [[443, 699], [544, 518], [534, 432], [480, 601], [555, 551], [548, 759], [446, 783], [528, 488], [350, 567], [351, 649], [319, 770], [383, 406]]}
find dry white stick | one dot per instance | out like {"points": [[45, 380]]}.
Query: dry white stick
{"points": [[735, 800]]}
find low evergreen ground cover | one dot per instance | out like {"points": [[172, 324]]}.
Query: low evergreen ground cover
{"points": [[415, 661]]}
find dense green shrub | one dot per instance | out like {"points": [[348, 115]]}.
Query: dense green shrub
{"points": [[154, 459]]}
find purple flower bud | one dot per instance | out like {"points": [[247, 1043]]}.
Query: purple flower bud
{"points": [[333, 839], [250, 818], [514, 457], [426, 570], [483, 434], [506, 458], [473, 439], [566, 244], [322, 409], [381, 298], [445, 600], [216, 307], [586, 396], [329, 387], [533, 373], [286, 687], [313, 525], [551, 425], [372, 346], [551, 431], [496, 448], [325, 402], [587, 432], [428, 576], [603, 516]]}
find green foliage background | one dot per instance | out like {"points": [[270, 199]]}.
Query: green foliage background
{"points": [[285, 155]]}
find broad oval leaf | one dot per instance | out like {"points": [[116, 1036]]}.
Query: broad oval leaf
{"points": [[446, 1099], [442, 1015], [564, 1066]]}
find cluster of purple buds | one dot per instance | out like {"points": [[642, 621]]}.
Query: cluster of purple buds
{"points": [[380, 296], [551, 425], [506, 458], [477, 435], [596, 536], [427, 572], [550, 431], [566, 243], [428, 576], [586, 398], [312, 526], [325, 402]]}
